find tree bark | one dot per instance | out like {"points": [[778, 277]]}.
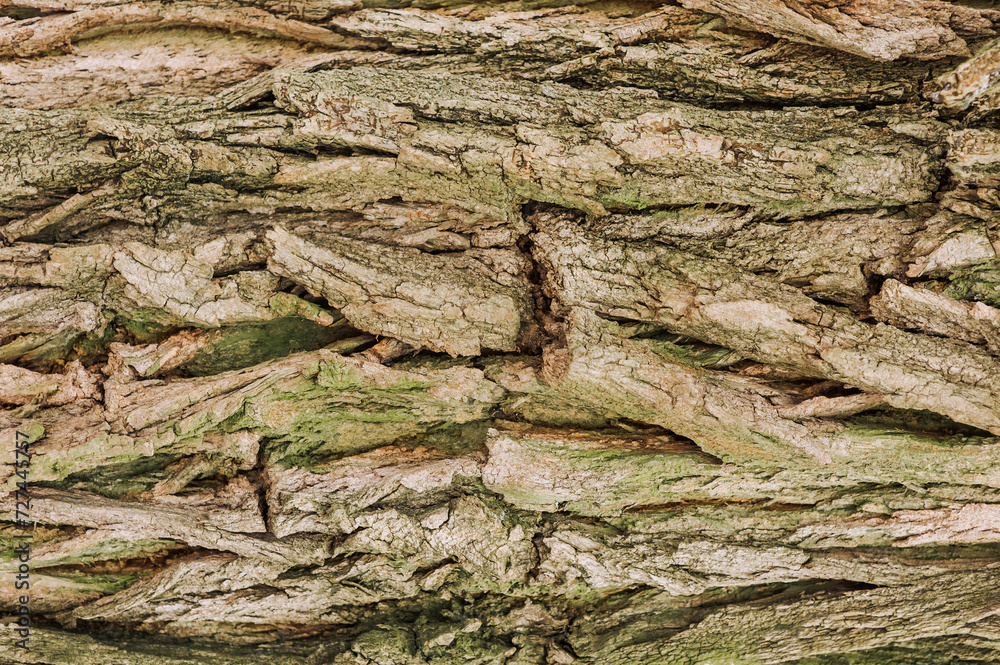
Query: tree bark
{"points": [[392, 332]]}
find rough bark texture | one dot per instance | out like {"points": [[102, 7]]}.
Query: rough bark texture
{"points": [[412, 332]]}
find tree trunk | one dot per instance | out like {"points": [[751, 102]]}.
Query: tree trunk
{"points": [[399, 332]]}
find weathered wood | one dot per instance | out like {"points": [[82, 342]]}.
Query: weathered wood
{"points": [[709, 300], [926, 30], [371, 333]]}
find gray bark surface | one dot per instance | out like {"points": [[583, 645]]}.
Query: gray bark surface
{"points": [[420, 333]]}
